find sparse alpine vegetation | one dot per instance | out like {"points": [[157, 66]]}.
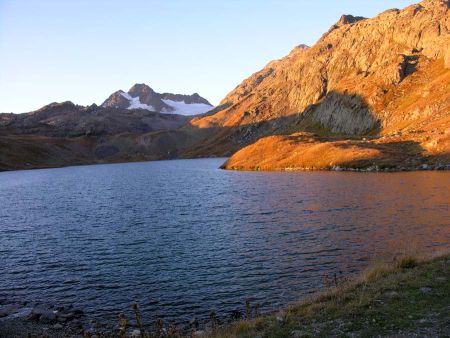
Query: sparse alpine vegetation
{"points": [[407, 297]]}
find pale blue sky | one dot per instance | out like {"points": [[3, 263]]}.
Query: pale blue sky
{"points": [[83, 50]]}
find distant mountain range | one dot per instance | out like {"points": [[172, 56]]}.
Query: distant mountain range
{"points": [[139, 110], [371, 93], [141, 96], [65, 133]]}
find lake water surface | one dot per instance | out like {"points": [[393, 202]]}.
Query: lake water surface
{"points": [[183, 237]]}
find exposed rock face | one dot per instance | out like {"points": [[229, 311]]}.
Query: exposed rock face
{"points": [[348, 19], [148, 96], [141, 96], [116, 100], [188, 99], [345, 20], [338, 113], [358, 57]]}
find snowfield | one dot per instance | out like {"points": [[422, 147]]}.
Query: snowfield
{"points": [[178, 107], [187, 109]]}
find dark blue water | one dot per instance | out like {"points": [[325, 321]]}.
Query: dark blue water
{"points": [[183, 237]]}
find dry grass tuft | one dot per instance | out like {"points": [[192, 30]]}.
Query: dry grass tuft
{"points": [[407, 262]]}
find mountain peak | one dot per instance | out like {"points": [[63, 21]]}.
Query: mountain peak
{"points": [[141, 96], [138, 88], [58, 105], [302, 46], [344, 20], [299, 48], [347, 19]]}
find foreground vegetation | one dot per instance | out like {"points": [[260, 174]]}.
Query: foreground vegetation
{"points": [[408, 297]]}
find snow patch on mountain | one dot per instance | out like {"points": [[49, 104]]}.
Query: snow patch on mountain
{"points": [[135, 103], [173, 107], [187, 109]]}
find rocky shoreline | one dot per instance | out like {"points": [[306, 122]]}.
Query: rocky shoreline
{"points": [[23, 319], [375, 168], [36, 319], [371, 169]]}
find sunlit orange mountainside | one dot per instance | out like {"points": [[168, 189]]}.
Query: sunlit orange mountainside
{"points": [[370, 93]]}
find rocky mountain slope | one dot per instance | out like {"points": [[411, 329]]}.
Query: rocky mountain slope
{"points": [[141, 96], [69, 120], [385, 79]]}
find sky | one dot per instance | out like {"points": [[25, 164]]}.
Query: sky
{"points": [[84, 50]]}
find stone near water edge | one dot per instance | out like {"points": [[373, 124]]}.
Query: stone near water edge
{"points": [[50, 314], [77, 313], [69, 316], [58, 326], [337, 168], [372, 168], [61, 319], [76, 324], [34, 317], [47, 317], [9, 309], [36, 312], [22, 313]]}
